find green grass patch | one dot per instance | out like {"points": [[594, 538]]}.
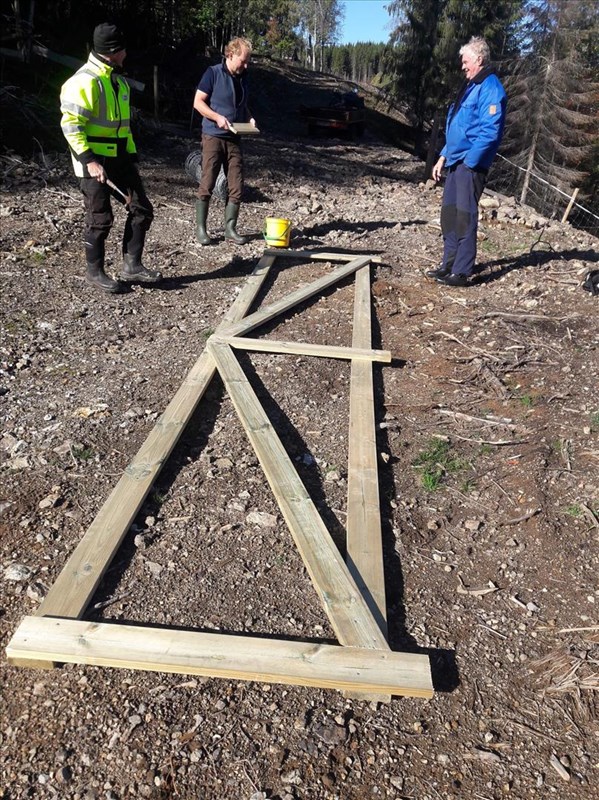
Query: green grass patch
{"points": [[82, 453], [574, 510], [436, 462]]}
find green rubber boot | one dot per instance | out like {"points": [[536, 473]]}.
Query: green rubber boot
{"points": [[231, 215], [201, 217]]}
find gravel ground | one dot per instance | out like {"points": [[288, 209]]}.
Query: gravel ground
{"points": [[487, 423]]}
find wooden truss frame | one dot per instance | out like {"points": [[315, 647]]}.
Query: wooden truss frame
{"points": [[352, 592]]}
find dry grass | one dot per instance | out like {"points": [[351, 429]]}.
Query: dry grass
{"points": [[574, 668]]}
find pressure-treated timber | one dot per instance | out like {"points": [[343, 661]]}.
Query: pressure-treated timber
{"points": [[315, 255], [303, 348], [222, 656], [74, 587], [267, 313], [45, 639], [364, 536], [346, 608]]}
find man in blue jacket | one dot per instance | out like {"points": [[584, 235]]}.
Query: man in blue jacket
{"points": [[473, 134], [222, 100]]}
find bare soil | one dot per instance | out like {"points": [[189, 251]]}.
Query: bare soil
{"points": [[488, 422]]}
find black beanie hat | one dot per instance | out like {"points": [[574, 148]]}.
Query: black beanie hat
{"points": [[108, 39]]}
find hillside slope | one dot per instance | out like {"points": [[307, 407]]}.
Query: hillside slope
{"points": [[487, 424]]}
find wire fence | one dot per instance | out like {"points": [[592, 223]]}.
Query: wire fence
{"points": [[508, 178]]}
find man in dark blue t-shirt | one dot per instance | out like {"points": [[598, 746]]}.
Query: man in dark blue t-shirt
{"points": [[222, 100]]}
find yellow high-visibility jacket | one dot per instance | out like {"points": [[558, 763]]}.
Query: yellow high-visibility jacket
{"points": [[96, 114]]}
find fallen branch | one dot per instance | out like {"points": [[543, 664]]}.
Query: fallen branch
{"points": [[499, 443], [504, 421], [463, 589], [523, 518], [467, 347], [531, 317], [588, 512]]}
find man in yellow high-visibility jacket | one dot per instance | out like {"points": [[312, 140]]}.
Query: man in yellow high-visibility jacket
{"points": [[96, 121]]}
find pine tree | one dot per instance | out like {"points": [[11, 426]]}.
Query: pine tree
{"points": [[553, 117], [410, 62]]}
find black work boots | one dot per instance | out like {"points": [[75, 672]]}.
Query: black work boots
{"points": [[134, 271], [95, 274]]}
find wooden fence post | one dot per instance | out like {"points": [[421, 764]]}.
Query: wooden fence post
{"points": [[156, 93], [570, 204], [432, 146]]}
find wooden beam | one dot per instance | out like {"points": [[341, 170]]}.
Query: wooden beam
{"points": [[302, 348], [221, 656], [364, 536], [78, 580], [244, 128], [344, 605], [315, 255], [267, 313]]}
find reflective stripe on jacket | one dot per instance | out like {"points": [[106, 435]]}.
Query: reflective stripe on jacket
{"points": [[96, 114], [474, 130]]}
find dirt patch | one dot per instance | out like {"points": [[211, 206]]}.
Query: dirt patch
{"points": [[487, 425]]}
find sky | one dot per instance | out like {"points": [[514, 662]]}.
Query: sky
{"points": [[365, 21]]}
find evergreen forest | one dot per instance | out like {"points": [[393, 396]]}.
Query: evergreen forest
{"points": [[546, 52]]}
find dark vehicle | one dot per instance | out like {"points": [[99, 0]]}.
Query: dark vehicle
{"points": [[343, 115]]}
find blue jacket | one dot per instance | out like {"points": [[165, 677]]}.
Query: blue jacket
{"points": [[475, 123], [218, 85]]}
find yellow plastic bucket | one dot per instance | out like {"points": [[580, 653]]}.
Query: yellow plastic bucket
{"points": [[277, 231]]}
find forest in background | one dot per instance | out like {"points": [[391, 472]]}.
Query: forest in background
{"points": [[546, 51]]}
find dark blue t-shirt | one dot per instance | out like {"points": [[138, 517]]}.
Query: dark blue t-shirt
{"points": [[226, 95]]}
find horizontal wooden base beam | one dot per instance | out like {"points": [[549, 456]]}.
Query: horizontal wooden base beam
{"points": [[315, 255], [218, 655]]}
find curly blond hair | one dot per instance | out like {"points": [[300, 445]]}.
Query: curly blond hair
{"points": [[236, 46]]}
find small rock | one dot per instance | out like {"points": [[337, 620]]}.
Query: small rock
{"points": [[559, 768], [262, 519], [487, 755], [52, 500], [489, 202], [293, 777], [17, 572], [64, 774], [134, 721]]}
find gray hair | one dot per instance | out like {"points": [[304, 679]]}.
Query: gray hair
{"points": [[478, 47]]}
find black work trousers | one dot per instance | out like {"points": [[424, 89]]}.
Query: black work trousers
{"points": [[216, 152], [99, 217]]}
